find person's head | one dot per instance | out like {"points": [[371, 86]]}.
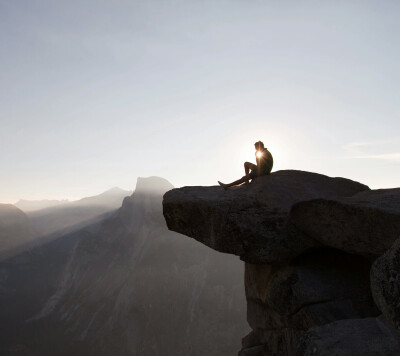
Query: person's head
{"points": [[259, 146]]}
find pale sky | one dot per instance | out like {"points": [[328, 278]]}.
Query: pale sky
{"points": [[94, 94]]}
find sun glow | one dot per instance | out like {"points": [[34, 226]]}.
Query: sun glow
{"points": [[281, 140], [258, 154]]}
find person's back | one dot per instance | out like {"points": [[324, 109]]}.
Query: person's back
{"points": [[265, 162]]}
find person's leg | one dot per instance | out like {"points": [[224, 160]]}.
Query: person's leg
{"points": [[248, 166], [244, 179]]}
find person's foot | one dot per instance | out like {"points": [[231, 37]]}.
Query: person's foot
{"points": [[223, 185]]}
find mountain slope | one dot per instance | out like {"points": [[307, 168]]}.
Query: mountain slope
{"points": [[14, 227], [71, 215], [33, 205], [128, 286]]}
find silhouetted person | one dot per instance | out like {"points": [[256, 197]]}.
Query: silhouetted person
{"points": [[264, 166]]}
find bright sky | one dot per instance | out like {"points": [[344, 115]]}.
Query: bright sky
{"points": [[94, 94]]}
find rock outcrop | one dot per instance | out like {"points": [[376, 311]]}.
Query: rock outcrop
{"points": [[357, 337], [385, 284], [252, 221], [308, 242], [365, 224]]}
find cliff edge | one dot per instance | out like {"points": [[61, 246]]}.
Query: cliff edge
{"points": [[308, 242]]}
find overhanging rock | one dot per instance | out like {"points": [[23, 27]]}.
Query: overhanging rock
{"points": [[251, 221], [365, 224]]}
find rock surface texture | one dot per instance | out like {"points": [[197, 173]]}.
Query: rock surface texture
{"points": [[358, 337], [308, 242], [366, 224], [252, 221], [385, 284]]}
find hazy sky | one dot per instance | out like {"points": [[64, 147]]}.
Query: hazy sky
{"points": [[94, 94]]}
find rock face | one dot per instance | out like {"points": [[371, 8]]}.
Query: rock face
{"points": [[308, 242], [385, 284], [358, 337], [366, 224], [317, 288], [252, 221]]}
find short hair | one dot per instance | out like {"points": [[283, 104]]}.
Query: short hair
{"points": [[259, 144]]}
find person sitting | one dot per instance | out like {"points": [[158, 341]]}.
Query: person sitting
{"points": [[264, 165]]}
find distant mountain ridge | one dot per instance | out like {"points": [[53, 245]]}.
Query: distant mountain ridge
{"points": [[109, 197], [71, 215], [23, 230], [33, 205]]}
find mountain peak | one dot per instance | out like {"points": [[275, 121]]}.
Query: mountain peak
{"points": [[153, 184]]}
